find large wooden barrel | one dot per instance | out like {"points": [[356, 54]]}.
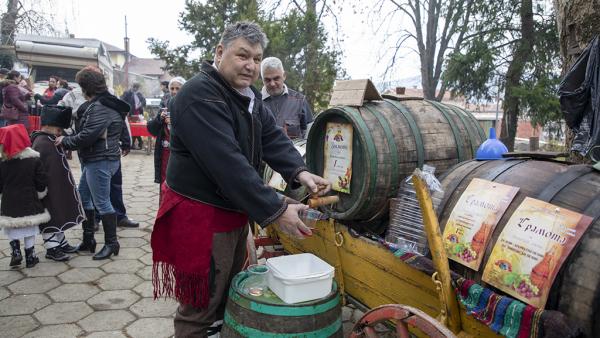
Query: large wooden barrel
{"points": [[268, 316], [390, 139], [297, 194], [576, 289]]}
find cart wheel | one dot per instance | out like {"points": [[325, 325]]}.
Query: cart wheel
{"points": [[402, 316]]}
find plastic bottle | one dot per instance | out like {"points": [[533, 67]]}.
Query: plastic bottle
{"points": [[406, 228]]}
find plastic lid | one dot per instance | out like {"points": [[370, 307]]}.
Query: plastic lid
{"points": [[491, 149]]}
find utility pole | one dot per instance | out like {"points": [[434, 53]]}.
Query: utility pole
{"points": [[126, 65]]}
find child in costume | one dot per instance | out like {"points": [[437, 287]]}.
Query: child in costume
{"points": [[23, 184], [63, 201]]}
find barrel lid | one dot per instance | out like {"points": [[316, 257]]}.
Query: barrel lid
{"points": [[241, 280]]}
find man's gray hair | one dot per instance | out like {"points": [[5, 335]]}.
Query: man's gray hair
{"points": [[270, 63], [250, 31]]}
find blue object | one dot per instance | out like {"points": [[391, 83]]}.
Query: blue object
{"points": [[491, 149]]}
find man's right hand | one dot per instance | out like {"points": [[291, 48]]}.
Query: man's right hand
{"points": [[290, 223]]}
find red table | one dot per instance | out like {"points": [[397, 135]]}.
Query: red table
{"points": [[34, 123], [139, 129]]}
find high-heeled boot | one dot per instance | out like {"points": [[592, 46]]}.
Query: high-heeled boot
{"points": [[15, 256], [30, 258], [88, 243], [111, 245]]}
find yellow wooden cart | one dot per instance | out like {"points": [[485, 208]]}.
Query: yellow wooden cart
{"points": [[369, 275]]}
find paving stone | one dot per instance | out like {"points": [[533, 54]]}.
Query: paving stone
{"points": [[132, 242], [4, 263], [119, 281], [9, 277], [86, 262], [346, 313], [23, 304], [131, 233], [129, 253], [347, 328], [113, 300], [148, 307], [4, 293], [123, 266], [145, 289], [16, 326], [102, 320], [107, 334], [34, 285], [146, 259], [46, 269], [146, 248], [63, 313], [73, 292], [55, 331], [82, 275], [151, 327], [145, 273], [357, 315]]}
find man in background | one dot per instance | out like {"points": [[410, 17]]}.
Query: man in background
{"points": [[290, 108], [137, 102]]}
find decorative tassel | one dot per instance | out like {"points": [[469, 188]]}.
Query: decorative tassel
{"points": [[186, 288]]}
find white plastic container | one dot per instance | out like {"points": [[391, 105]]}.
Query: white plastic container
{"points": [[299, 278]]}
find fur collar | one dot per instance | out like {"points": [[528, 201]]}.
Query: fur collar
{"points": [[26, 153]]}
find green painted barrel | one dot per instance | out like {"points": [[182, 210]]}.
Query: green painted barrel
{"points": [[268, 316], [297, 194], [390, 139]]}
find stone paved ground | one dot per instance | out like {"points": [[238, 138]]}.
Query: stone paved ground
{"points": [[96, 299]]}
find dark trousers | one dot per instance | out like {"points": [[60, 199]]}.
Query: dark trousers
{"points": [[139, 139], [229, 254]]}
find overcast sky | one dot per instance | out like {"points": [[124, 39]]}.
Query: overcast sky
{"points": [[105, 20]]}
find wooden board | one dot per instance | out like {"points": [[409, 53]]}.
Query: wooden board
{"points": [[374, 276]]}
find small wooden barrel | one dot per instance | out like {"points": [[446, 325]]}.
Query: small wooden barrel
{"points": [[264, 316]]}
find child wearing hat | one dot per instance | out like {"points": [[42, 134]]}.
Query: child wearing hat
{"points": [[23, 184], [63, 201]]}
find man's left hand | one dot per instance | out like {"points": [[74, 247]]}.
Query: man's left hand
{"points": [[317, 185]]}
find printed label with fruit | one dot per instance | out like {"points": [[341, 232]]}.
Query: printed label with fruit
{"points": [[531, 249], [338, 156], [473, 220]]}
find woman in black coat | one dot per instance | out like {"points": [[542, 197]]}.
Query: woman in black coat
{"points": [[160, 127]]}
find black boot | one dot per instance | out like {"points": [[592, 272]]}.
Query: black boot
{"points": [[15, 256], [89, 243], [30, 258], [68, 248], [111, 246], [56, 254]]}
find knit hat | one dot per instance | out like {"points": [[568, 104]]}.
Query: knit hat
{"points": [[56, 116], [14, 139]]}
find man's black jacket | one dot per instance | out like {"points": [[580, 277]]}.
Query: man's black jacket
{"points": [[217, 147]]}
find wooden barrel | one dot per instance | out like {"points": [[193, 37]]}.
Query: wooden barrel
{"points": [[264, 316], [576, 289], [390, 139], [297, 194]]}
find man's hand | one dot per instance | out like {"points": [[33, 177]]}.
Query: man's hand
{"points": [[58, 140], [315, 184], [290, 223], [125, 152]]}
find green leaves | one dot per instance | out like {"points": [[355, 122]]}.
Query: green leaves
{"points": [[289, 40]]}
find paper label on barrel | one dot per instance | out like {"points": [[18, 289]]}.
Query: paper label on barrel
{"points": [[338, 156], [531, 249], [474, 219]]}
